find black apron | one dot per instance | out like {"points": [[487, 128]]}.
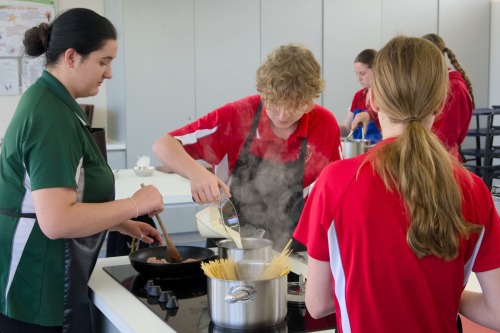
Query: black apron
{"points": [[80, 256], [267, 194]]}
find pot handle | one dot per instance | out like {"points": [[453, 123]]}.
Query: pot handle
{"points": [[239, 294]]}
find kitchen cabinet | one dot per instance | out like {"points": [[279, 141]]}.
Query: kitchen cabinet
{"points": [[157, 64], [152, 91], [117, 154]]}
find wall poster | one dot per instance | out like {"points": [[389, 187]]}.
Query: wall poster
{"points": [[18, 71]]}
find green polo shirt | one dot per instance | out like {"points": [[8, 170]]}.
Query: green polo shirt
{"points": [[47, 144]]}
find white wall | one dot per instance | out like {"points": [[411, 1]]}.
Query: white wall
{"points": [[494, 92], [8, 103], [464, 24]]}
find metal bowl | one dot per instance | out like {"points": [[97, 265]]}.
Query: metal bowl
{"points": [[144, 171]]}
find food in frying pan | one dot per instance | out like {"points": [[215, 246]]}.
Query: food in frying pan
{"points": [[154, 260]]}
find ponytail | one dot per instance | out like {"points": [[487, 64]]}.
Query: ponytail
{"points": [[410, 84]]}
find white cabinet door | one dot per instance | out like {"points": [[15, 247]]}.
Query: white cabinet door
{"points": [[349, 28], [227, 52], [408, 17], [292, 21], [159, 71], [494, 93], [465, 26]]}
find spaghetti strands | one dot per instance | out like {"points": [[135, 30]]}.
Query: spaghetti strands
{"points": [[280, 265], [222, 269], [227, 269]]}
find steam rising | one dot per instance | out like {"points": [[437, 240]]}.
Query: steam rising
{"points": [[263, 206]]}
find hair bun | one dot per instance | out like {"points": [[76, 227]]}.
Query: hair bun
{"points": [[43, 33], [36, 40]]}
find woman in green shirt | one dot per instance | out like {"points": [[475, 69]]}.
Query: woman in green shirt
{"points": [[56, 189]]}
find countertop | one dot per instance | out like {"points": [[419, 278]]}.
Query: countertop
{"points": [[128, 314], [175, 189]]}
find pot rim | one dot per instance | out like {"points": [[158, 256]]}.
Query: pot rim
{"points": [[261, 241]]}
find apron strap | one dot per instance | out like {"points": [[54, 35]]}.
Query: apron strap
{"points": [[303, 150], [16, 214], [253, 129]]}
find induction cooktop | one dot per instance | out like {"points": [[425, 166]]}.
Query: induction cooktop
{"points": [[182, 304]]}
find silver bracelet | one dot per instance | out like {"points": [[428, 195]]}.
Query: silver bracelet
{"points": [[136, 208]]}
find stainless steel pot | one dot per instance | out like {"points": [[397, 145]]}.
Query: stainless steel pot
{"points": [[253, 249], [249, 303], [354, 147]]}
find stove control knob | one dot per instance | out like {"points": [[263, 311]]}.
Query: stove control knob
{"points": [[165, 296], [149, 284], [172, 303], [154, 291]]}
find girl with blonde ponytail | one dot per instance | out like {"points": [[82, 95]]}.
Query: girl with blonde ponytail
{"points": [[424, 222]]}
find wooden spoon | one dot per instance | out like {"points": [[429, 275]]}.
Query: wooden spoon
{"points": [[173, 253]]}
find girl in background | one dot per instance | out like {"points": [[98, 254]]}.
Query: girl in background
{"points": [[363, 70], [452, 124]]}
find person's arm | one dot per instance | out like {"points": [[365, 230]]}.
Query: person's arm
{"points": [[484, 308], [205, 186], [141, 230], [319, 288], [346, 125], [361, 118], [61, 216]]}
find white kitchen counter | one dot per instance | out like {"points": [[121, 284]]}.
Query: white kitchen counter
{"points": [[175, 189]]}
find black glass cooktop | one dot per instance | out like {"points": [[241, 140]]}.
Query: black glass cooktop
{"points": [[187, 312]]}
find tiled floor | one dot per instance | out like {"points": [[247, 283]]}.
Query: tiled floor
{"points": [[470, 327]]}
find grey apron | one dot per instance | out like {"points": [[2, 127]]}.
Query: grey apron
{"points": [[267, 194]]}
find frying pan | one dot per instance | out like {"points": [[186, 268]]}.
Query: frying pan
{"points": [[138, 259]]}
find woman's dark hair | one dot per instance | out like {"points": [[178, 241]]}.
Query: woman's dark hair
{"points": [[79, 28], [366, 57]]}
